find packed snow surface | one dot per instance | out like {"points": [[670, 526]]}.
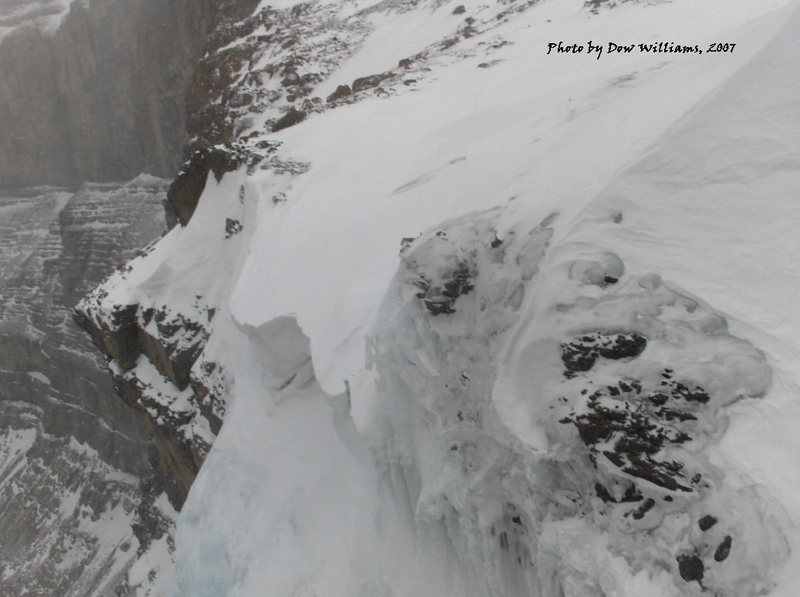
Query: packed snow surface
{"points": [[525, 329]]}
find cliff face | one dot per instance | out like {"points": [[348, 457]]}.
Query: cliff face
{"points": [[102, 97], [415, 271], [55, 245], [257, 66], [77, 467], [92, 91], [420, 289], [154, 350]]}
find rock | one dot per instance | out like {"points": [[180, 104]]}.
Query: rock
{"points": [[369, 82], [232, 227], [82, 481], [116, 336], [341, 91], [631, 432], [110, 99], [690, 567], [596, 5], [581, 354], [291, 118], [290, 79], [174, 349], [185, 190], [723, 549], [273, 57], [183, 409], [441, 298], [646, 506], [706, 522]]}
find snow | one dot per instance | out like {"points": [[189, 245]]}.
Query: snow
{"points": [[158, 388], [46, 15], [511, 150], [385, 437], [86, 451], [40, 377], [152, 574], [14, 446], [736, 213], [394, 36]]}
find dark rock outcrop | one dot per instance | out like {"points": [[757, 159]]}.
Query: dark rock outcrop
{"points": [[370, 81], [440, 297], [691, 567], [160, 373], [251, 65], [582, 353], [291, 118], [185, 190], [342, 91]]}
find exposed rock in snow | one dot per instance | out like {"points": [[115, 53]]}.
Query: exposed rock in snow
{"points": [[157, 342], [156, 370], [185, 190], [642, 403]]}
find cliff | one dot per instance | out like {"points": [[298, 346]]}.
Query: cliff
{"points": [[77, 467], [102, 97], [456, 317], [89, 91], [246, 83]]}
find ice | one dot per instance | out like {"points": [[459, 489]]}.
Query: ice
{"points": [[488, 451]]}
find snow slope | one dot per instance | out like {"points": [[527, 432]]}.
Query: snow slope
{"points": [[519, 326]]}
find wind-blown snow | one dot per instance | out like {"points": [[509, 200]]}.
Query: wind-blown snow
{"points": [[583, 346]]}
